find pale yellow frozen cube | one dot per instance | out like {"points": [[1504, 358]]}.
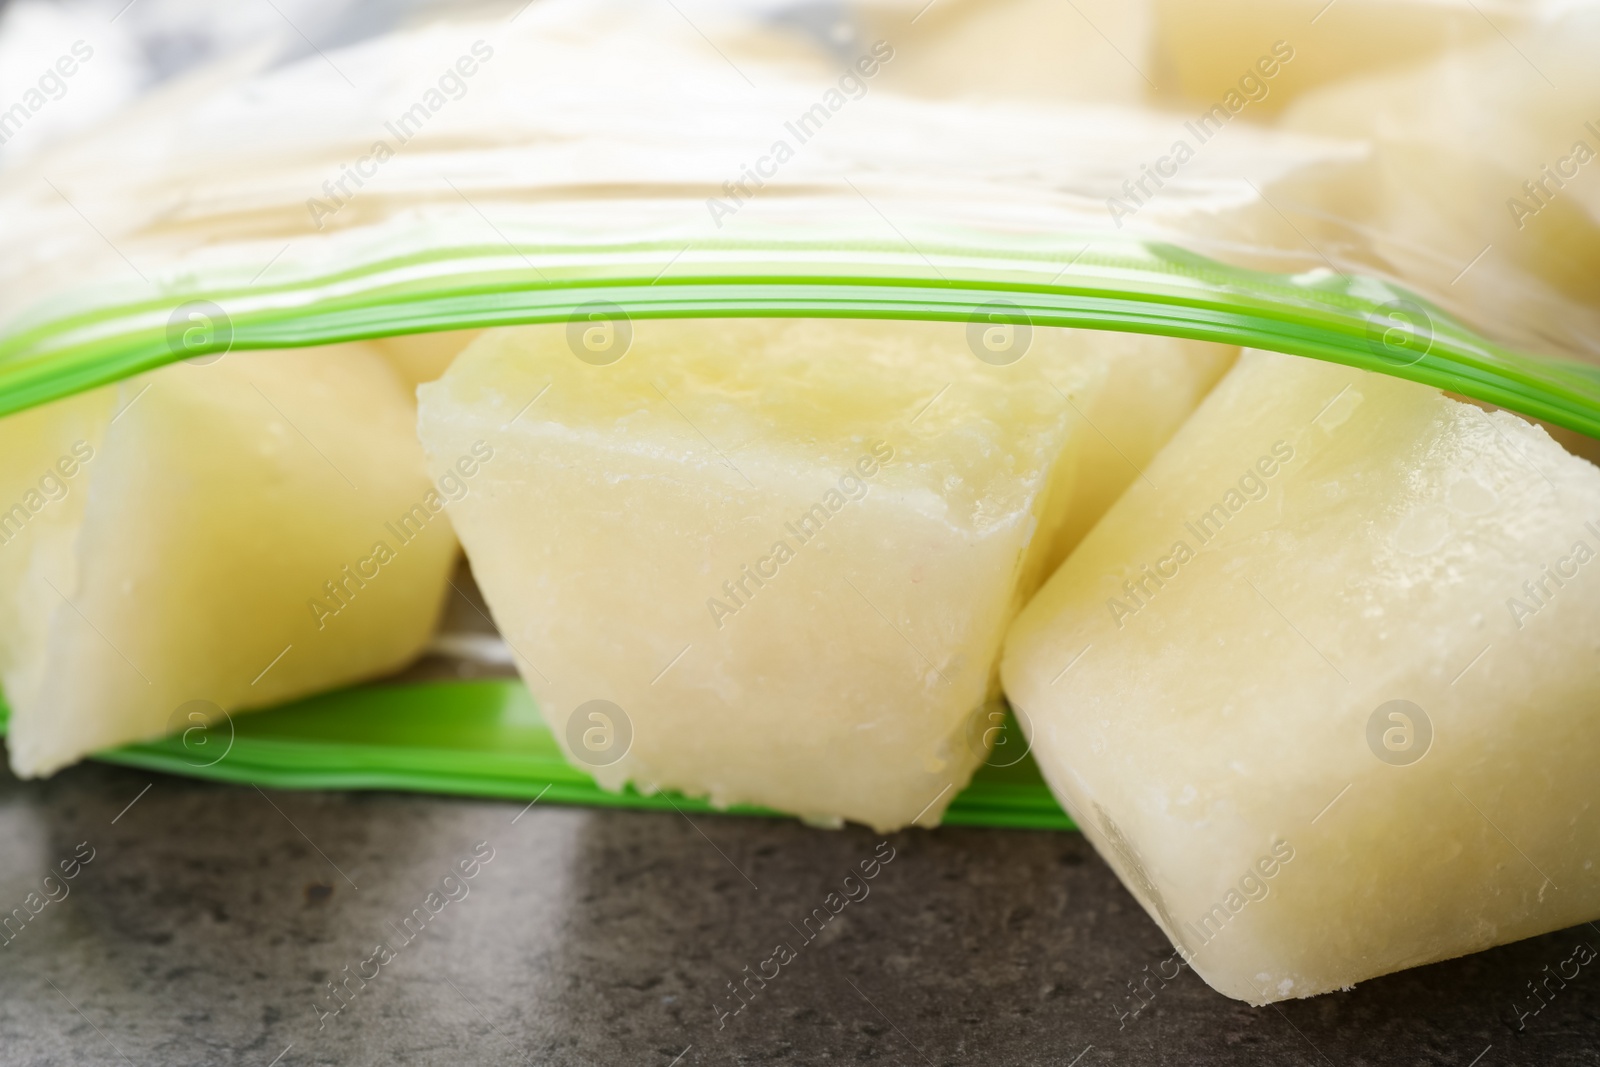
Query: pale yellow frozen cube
{"points": [[1254, 56], [781, 553], [1325, 689], [1478, 190], [210, 538], [1035, 50]]}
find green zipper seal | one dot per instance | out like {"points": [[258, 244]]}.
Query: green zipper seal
{"points": [[1130, 286]]}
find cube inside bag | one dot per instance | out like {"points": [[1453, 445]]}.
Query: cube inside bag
{"points": [[210, 538], [769, 561], [1325, 689]]}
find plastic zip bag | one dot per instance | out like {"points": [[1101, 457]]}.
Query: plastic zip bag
{"points": [[237, 212], [606, 186]]}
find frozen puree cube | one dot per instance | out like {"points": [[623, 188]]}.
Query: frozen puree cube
{"points": [[1254, 56], [204, 539], [1471, 150], [784, 552], [1036, 50], [1325, 690]]}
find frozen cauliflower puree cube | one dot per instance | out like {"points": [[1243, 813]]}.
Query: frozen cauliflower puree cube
{"points": [[210, 538], [1325, 690], [770, 562]]}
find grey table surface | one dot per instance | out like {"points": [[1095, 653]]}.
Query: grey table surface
{"points": [[209, 919]]}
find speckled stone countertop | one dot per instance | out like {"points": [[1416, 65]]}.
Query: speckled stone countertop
{"points": [[208, 920]]}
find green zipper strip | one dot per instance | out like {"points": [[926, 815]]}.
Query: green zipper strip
{"points": [[485, 738], [1123, 286]]}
